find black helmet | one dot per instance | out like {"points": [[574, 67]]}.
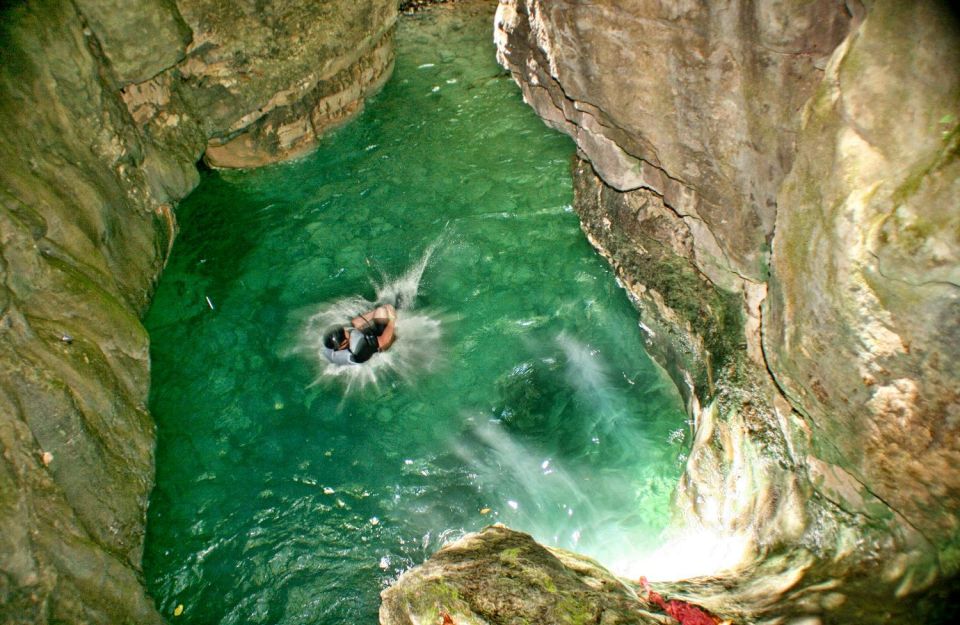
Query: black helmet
{"points": [[334, 338]]}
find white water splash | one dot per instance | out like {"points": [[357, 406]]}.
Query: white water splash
{"points": [[612, 418], [417, 348], [588, 375], [563, 501], [528, 484], [402, 292], [691, 552], [558, 503]]}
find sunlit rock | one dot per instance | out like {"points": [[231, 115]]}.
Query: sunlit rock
{"points": [[863, 320], [694, 101], [502, 576]]}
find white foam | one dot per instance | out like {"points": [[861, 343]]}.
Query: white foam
{"points": [[418, 344]]}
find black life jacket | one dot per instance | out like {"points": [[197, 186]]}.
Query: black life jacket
{"points": [[363, 345]]}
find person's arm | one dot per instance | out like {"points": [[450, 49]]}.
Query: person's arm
{"points": [[386, 338], [384, 313], [363, 320], [379, 314], [388, 314]]}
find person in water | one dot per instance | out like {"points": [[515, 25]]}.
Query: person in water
{"points": [[370, 332]]}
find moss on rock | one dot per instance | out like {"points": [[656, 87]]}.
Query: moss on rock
{"points": [[651, 250], [499, 577]]}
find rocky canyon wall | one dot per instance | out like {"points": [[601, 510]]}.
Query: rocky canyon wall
{"points": [[776, 185], [105, 108]]}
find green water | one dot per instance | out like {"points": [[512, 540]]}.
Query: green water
{"points": [[288, 495]]}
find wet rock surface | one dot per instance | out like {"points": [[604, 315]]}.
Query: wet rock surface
{"points": [[694, 328], [106, 107]]}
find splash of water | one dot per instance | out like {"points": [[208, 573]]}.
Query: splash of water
{"points": [[612, 418], [417, 348], [402, 292], [555, 499], [528, 484], [559, 497], [587, 374], [694, 551]]}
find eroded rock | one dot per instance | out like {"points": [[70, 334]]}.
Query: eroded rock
{"points": [[500, 576], [862, 326], [81, 243], [266, 81], [138, 44], [694, 101]]}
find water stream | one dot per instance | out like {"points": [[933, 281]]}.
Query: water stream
{"points": [[289, 491]]}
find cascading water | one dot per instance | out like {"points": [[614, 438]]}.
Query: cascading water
{"points": [[518, 390]]}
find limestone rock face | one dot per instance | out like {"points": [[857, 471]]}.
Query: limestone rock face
{"points": [[862, 326], [105, 108], [685, 316], [695, 101], [138, 43], [500, 576], [82, 240], [267, 79], [801, 159]]}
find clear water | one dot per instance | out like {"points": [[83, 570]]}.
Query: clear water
{"points": [[518, 390]]}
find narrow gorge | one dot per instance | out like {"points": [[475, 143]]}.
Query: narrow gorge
{"points": [[774, 184]]}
